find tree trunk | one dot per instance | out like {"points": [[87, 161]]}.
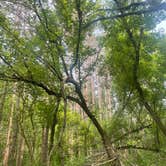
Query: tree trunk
{"points": [[111, 152], [9, 134], [44, 146], [92, 92], [85, 145], [152, 112], [54, 122], [60, 139], [20, 151], [15, 131], [2, 100]]}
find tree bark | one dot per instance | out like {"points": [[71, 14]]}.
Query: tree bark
{"points": [[44, 146], [20, 151], [152, 113], [111, 152], [60, 139], [2, 100], [9, 134], [15, 131], [54, 122]]}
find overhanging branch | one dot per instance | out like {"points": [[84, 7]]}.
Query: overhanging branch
{"points": [[132, 5], [15, 78], [151, 9]]}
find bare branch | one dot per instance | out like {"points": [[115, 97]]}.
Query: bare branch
{"points": [[139, 148]]}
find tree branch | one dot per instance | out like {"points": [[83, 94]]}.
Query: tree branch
{"points": [[139, 148], [19, 78], [137, 85], [131, 6], [79, 13], [131, 132], [151, 9]]}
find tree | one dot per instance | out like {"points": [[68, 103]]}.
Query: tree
{"points": [[130, 65], [55, 52]]}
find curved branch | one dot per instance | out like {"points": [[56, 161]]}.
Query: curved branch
{"points": [[156, 8], [132, 5], [19, 78]]}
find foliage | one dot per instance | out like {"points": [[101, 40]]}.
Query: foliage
{"points": [[46, 60]]}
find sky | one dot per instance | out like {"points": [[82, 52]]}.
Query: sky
{"points": [[162, 27]]}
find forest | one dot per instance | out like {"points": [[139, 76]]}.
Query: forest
{"points": [[82, 82]]}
